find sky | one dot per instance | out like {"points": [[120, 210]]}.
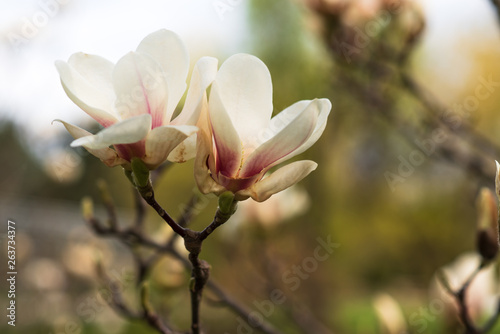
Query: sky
{"points": [[449, 24], [35, 33]]}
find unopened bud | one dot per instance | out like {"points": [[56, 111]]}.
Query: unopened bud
{"points": [[487, 224], [87, 208]]}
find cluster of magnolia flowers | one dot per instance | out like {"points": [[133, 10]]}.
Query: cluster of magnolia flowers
{"points": [[230, 133]]}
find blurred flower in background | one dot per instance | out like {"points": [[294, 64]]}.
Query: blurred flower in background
{"points": [[482, 294], [278, 209], [390, 315]]}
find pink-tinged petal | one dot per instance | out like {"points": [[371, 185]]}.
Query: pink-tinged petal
{"points": [[202, 173], [129, 151], [227, 141], [323, 107], [245, 89], [86, 82], [107, 155], [128, 131], [236, 184], [203, 75], [141, 88], [204, 163], [281, 179], [285, 142], [162, 140], [168, 50]]}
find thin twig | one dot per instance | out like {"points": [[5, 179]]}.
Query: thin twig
{"points": [[149, 313], [150, 199], [240, 310], [219, 219], [126, 236]]}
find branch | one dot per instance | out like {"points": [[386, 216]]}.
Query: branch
{"points": [[149, 313], [149, 197], [460, 298], [240, 310], [496, 4], [199, 274]]}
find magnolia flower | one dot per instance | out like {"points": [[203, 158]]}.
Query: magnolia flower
{"points": [[239, 142], [389, 313], [280, 208], [482, 294], [135, 99]]}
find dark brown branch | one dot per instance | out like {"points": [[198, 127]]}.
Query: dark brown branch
{"points": [[152, 318], [200, 274], [128, 236], [116, 302], [239, 309], [460, 298], [496, 4], [150, 199], [219, 219]]}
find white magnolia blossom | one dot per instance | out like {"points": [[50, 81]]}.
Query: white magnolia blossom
{"points": [[482, 294], [135, 99], [280, 208], [238, 140]]}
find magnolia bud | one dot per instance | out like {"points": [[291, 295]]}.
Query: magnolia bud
{"points": [[487, 224], [87, 208]]}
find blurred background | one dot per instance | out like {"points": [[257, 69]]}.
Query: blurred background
{"points": [[412, 138]]}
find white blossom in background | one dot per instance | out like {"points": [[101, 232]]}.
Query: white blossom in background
{"points": [[482, 294], [135, 100], [390, 314], [239, 142], [278, 209]]}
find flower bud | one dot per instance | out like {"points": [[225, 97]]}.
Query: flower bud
{"points": [[87, 208], [487, 225]]}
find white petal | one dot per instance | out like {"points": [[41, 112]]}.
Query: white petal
{"points": [[202, 175], [128, 131], [86, 80], [107, 155], [168, 50], [323, 107], [281, 179], [245, 89], [184, 151], [141, 87], [226, 138], [285, 142], [204, 73], [162, 140]]}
